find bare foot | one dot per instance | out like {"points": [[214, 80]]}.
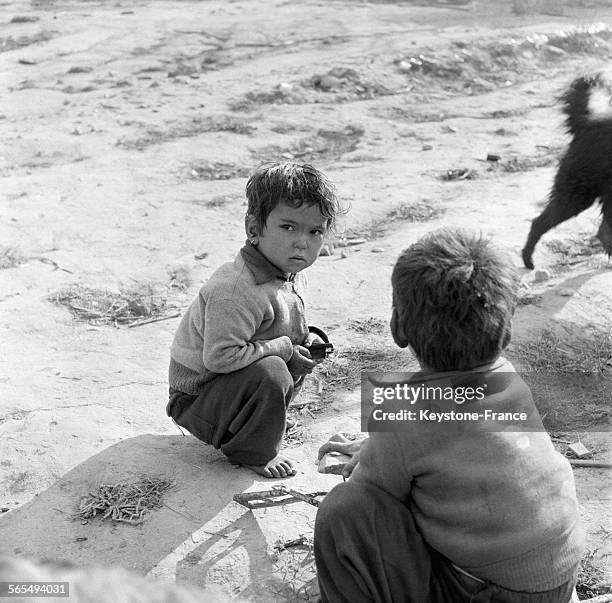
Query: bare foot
{"points": [[279, 466]]}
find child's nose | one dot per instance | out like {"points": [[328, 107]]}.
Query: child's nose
{"points": [[301, 242]]}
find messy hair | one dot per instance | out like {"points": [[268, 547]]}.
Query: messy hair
{"points": [[454, 295], [293, 184]]}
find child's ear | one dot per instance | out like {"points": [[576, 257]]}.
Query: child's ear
{"points": [[251, 228], [397, 330]]}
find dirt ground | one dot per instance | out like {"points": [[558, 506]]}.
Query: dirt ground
{"points": [[128, 131]]}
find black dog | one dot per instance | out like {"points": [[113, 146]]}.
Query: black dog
{"points": [[585, 172]]}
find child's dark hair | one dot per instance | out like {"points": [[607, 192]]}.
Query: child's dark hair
{"points": [[454, 295], [293, 184]]}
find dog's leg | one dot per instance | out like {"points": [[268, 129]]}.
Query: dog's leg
{"points": [[561, 207], [604, 234]]}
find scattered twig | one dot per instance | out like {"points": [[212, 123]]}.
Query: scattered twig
{"points": [[189, 517], [149, 320], [590, 463], [53, 263]]}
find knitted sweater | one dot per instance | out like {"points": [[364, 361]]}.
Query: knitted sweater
{"points": [[499, 504], [248, 309]]}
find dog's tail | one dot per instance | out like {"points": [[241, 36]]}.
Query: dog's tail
{"points": [[576, 101]]}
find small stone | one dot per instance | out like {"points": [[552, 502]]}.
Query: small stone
{"points": [[541, 275], [565, 292], [404, 66], [327, 82], [377, 249], [139, 308], [327, 249], [580, 450], [345, 253], [553, 52], [333, 462], [426, 147]]}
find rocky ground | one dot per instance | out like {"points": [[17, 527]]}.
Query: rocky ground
{"points": [[129, 129]]}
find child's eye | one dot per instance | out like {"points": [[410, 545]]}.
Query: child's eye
{"points": [[318, 232], [288, 227]]}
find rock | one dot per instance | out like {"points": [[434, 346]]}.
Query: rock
{"points": [[327, 249], [404, 66], [426, 147], [565, 292], [377, 250], [578, 448], [541, 275], [333, 462], [553, 52], [327, 82], [24, 19], [139, 308], [345, 253]]}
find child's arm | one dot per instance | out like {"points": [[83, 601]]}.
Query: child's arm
{"points": [[228, 334], [385, 461]]}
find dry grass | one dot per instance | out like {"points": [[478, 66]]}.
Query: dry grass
{"points": [[369, 325], [326, 145], [343, 370], [97, 306], [569, 376], [459, 174], [574, 249], [589, 353], [180, 278], [10, 257], [125, 502], [338, 85], [297, 435], [218, 170], [592, 581], [11, 43], [187, 129], [527, 298], [420, 211], [525, 164], [295, 565]]}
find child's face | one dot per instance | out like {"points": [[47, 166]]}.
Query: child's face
{"points": [[292, 236]]}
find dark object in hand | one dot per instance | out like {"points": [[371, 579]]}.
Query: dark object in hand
{"points": [[319, 351]]}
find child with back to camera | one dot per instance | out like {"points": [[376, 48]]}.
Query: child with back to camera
{"points": [[241, 351], [456, 512]]}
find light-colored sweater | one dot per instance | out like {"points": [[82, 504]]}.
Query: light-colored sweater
{"points": [[247, 310], [499, 504]]}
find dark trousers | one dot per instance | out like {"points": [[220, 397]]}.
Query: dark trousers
{"points": [[241, 413], [368, 549]]}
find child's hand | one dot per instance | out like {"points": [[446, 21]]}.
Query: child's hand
{"points": [[338, 443], [300, 362], [314, 338]]}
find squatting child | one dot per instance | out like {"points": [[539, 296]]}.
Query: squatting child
{"points": [[458, 511], [241, 350]]}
